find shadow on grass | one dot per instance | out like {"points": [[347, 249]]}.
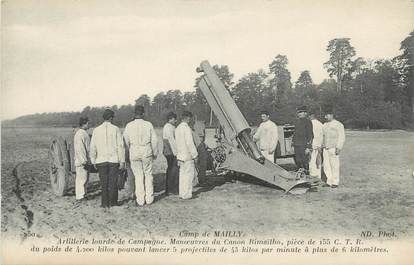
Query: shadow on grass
{"points": [[93, 190], [209, 183]]}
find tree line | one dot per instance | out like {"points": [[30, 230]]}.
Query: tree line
{"points": [[365, 93]]}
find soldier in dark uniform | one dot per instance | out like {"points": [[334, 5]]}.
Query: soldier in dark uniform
{"points": [[170, 153], [302, 139]]}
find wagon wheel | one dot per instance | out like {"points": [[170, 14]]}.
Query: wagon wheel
{"points": [[59, 166]]}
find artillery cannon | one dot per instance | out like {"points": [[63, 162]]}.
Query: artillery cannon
{"points": [[236, 150]]}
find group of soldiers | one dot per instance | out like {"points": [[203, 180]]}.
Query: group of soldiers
{"points": [[108, 151], [316, 145]]}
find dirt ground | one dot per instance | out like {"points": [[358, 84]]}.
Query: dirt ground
{"points": [[375, 193]]}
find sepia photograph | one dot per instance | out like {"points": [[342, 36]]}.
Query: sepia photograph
{"points": [[207, 132]]}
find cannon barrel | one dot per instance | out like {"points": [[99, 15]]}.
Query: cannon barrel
{"points": [[236, 128]]}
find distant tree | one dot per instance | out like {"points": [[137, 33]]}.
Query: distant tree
{"points": [[86, 110], [340, 60], [144, 100], [328, 92], [358, 66], [124, 114], [281, 81], [267, 97], [369, 106], [158, 103], [174, 99], [92, 113], [388, 77], [304, 86], [189, 99], [248, 94], [405, 64], [225, 75]]}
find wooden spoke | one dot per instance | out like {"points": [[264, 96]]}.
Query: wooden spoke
{"points": [[58, 166]]}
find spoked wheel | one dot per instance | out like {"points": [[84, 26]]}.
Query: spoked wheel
{"points": [[59, 167]]}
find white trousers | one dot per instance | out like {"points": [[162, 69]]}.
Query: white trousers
{"points": [[331, 166], [144, 188], [187, 174], [81, 180], [314, 168], [268, 156]]}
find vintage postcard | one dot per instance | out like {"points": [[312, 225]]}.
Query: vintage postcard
{"points": [[207, 132]]}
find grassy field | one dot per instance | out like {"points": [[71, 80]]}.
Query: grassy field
{"points": [[375, 193]]}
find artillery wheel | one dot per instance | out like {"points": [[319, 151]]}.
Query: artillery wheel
{"points": [[59, 166]]}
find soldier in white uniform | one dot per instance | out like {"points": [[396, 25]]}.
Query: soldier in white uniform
{"points": [[142, 143], [107, 153], [333, 141], [186, 155], [315, 163], [266, 136], [81, 149]]}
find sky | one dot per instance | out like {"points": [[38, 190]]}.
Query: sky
{"points": [[63, 55]]}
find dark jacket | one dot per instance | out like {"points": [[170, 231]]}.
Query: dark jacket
{"points": [[303, 132]]}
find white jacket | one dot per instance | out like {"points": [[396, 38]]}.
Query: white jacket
{"points": [[333, 134], [141, 139], [267, 136], [81, 144], [186, 149], [107, 144], [317, 128]]}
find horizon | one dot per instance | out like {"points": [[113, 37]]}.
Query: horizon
{"points": [[99, 107], [102, 53]]}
